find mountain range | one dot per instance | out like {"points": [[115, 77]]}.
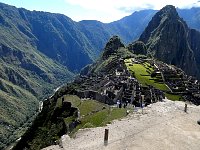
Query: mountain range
{"points": [[40, 51]]}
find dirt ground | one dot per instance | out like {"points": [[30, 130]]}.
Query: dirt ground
{"points": [[161, 126]]}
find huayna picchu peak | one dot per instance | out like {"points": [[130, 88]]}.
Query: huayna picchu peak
{"points": [[168, 11], [168, 38]]}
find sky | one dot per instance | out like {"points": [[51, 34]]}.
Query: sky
{"points": [[101, 10]]}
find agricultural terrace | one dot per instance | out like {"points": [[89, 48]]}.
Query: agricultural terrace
{"points": [[142, 72]]}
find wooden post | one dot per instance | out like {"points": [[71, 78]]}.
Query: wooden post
{"points": [[142, 100], [185, 108], [106, 137]]}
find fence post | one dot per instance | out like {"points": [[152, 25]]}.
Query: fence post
{"points": [[142, 101], [106, 137], [185, 108]]}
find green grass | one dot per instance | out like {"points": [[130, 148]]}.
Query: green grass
{"points": [[144, 77], [105, 116], [93, 113], [75, 100], [115, 113], [173, 97], [59, 103], [141, 74], [69, 120], [100, 118], [85, 106]]}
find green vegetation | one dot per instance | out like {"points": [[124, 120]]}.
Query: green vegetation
{"points": [[59, 118], [94, 113], [173, 97], [143, 71], [85, 106], [21, 89], [120, 53], [100, 118], [27, 76], [143, 74]]}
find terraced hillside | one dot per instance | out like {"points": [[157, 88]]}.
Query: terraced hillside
{"points": [[146, 74]]}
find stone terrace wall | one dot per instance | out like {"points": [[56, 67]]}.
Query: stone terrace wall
{"points": [[95, 95]]}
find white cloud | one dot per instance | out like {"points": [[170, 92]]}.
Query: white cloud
{"points": [[109, 10]]}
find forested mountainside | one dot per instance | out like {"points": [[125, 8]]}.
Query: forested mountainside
{"points": [[27, 75]]}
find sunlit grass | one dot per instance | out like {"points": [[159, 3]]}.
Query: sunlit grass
{"points": [[144, 77], [94, 113]]}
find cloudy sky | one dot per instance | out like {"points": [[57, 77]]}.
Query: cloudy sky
{"points": [[102, 10]]}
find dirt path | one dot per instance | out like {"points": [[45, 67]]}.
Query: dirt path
{"points": [[163, 126]]}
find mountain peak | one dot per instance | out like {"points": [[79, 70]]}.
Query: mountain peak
{"points": [[167, 15], [112, 46], [167, 38], [168, 11]]}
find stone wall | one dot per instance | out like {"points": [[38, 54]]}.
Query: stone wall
{"points": [[95, 95]]}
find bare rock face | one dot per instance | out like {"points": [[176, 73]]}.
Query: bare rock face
{"points": [[168, 38]]}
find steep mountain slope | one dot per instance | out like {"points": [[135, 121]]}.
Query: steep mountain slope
{"points": [[21, 88], [129, 28], [72, 40], [167, 38], [26, 76], [113, 51], [54, 35]]}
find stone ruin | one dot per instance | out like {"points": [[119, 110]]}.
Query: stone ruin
{"points": [[179, 82], [116, 86]]}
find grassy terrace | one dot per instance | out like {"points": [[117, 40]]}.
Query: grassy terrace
{"points": [[93, 113], [142, 73]]}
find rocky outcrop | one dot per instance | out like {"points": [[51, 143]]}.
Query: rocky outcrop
{"points": [[168, 38], [112, 46], [138, 47]]}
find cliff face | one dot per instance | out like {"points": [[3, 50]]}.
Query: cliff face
{"points": [[169, 39]]}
